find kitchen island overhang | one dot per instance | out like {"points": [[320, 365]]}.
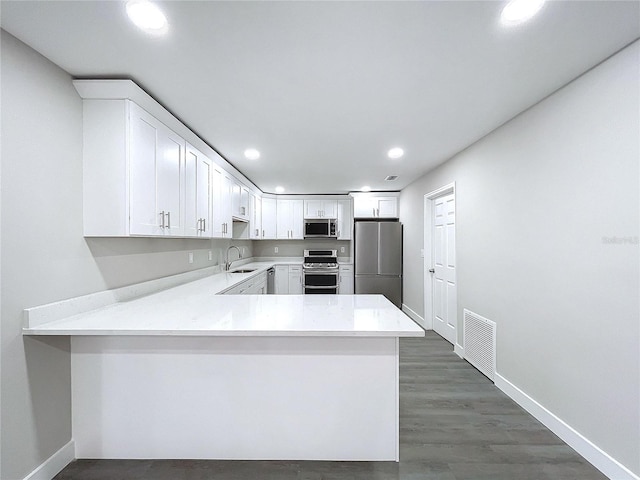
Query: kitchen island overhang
{"points": [[296, 377]]}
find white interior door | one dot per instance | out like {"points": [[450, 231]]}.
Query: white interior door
{"points": [[443, 270]]}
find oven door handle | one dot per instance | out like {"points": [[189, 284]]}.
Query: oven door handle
{"points": [[311, 272], [326, 287]]}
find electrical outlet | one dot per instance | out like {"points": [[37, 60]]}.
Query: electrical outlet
{"points": [[341, 249], [275, 249], [210, 255], [190, 257], [243, 251]]}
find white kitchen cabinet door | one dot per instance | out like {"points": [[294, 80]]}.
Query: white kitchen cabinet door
{"points": [[387, 207], [282, 280], [240, 201], [345, 219], [364, 207], [222, 221], [290, 219], [157, 176], [319, 208], [269, 218], [345, 285], [295, 279], [197, 222], [255, 212], [372, 206], [297, 219]]}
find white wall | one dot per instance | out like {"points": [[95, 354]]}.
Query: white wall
{"points": [[44, 256], [537, 201]]}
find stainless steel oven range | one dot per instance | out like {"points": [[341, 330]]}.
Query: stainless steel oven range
{"points": [[320, 271]]}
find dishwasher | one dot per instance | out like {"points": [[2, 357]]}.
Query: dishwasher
{"points": [[271, 281]]}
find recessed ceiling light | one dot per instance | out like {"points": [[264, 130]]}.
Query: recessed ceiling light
{"points": [[518, 11], [147, 16], [366, 188], [396, 152], [279, 189], [252, 154]]}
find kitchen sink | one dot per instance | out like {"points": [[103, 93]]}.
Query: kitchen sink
{"points": [[243, 270]]}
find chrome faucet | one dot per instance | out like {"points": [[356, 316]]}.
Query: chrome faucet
{"points": [[227, 264]]}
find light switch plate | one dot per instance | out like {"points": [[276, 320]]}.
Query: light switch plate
{"points": [[275, 249], [422, 252], [210, 255]]}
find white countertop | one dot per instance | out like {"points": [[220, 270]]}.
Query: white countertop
{"points": [[194, 309]]}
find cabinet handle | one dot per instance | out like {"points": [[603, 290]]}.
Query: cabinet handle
{"points": [[378, 212], [374, 212], [162, 215], [262, 233], [169, 220], [199, 225], [204, 224]]}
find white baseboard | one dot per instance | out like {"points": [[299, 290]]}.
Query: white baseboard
{"points": [[415, 317], [55, 463], [458, 350], [585, 447]]}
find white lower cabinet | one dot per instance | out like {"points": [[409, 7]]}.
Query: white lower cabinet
{"points": [[295, 279], [253, 286], [282, 279], [288, 279], [345, 285]]}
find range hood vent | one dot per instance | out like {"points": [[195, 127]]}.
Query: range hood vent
{"points": [[391, 177]]}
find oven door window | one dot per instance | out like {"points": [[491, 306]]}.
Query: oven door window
{"points": [[321, 280]]}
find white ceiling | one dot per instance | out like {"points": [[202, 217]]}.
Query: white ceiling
{"points": [[324, 89]]}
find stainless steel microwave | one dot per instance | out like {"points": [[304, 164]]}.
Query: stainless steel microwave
{"points": [[320, 228]]}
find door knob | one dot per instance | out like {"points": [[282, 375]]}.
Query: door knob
{"points": [[431, 270]]}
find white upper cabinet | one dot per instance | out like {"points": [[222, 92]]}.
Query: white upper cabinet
{"points": [[345, 219], [197, 221], [144, 172], [156, 158], [290, 224], [375, 206], [133, 172], [222, 189], [240, 202], [320, 208], [269, 218], [255, 214]]}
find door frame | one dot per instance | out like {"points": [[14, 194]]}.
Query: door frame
{"points": [[449, 189]]}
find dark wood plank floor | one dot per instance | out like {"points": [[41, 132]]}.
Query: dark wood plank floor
{"points": [[454, 425]]}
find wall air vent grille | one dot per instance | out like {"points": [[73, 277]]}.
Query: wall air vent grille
{"points": [[480, 343], [391, 177]]}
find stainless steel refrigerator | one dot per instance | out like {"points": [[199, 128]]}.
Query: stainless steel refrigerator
{"points": [[378, 259]]}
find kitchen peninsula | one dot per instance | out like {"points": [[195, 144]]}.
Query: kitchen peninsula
{"points": [[186, 373]]}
